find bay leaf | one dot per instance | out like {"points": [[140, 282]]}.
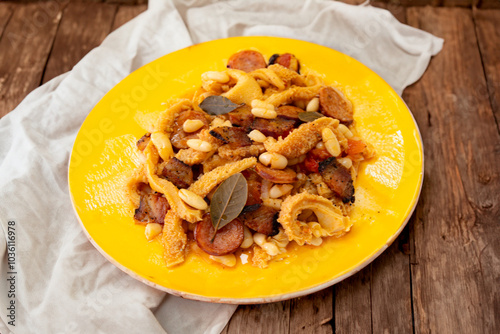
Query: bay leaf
{"points": [[228, 201], [218, 105], [309, 116]]}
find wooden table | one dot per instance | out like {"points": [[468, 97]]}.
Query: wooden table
{"points": [[442, 275]]}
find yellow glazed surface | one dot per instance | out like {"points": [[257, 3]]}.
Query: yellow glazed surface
{"points": [[387, 188]]}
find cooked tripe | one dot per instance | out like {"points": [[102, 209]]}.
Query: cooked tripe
{"points": [[261, 158]]}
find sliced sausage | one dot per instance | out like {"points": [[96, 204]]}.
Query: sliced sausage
{"points": [[247, 61], [143, 142], [287, 60], [153, 206], [277, 127], [254, 183], [319, 154], [333, 104], [237, 153], [226, 241], [177, 172], [254, 192], [179, 136], [235, 137], [286, 175], [260, 218], [338, 178], [289, 112], [242, 117]]}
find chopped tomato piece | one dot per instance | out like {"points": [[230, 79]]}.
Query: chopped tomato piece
{"points": [[355, 147], [319, 154], [311, 164], [314, 157]]}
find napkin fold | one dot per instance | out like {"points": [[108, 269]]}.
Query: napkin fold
{"points": [[60, 282]]}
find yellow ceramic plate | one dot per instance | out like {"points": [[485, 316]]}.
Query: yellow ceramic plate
{"points": [[386, 191]]}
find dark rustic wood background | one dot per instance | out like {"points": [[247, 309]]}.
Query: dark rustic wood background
{"points": [[442, 275]]}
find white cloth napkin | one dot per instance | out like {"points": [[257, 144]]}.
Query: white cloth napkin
{"points": [[61, 283]]}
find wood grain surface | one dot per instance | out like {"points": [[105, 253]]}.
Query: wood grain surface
{"points": [[83, 27], [261, 319], [6, 10], [25, 46], [126, 13], [441, 275], [312, 313], [487, 24], [455, 279]]}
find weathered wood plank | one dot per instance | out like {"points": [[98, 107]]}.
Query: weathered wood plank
{"points": [[398, 11], [261, 319], [488, 34], [353, 308], [127, 13], [83, 27], [6, 10], [391, 289], [312, 313], [25, 45], [456, 286]]}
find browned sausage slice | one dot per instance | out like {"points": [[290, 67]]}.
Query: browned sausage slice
{"points": [[260, 218], [333, 104], [235, 137], [177, 172], [226, 241], [286, 175], [254, 185], [247, 61], [254, 192], [277, 127], [338, 178], [289, 112], [287, 60], [179, 136], [242, 117]]}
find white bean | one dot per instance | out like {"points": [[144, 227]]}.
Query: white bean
{"points": [[199, 145], [313, 105], [264, 113], [270, 248], [221, 77], [333, 147], [346, 162], [279, 190], [228, 260], [257, 136], [193, 199], [247, 239], [152, 230], [163, 145], [259, 238], [192, 125]]}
